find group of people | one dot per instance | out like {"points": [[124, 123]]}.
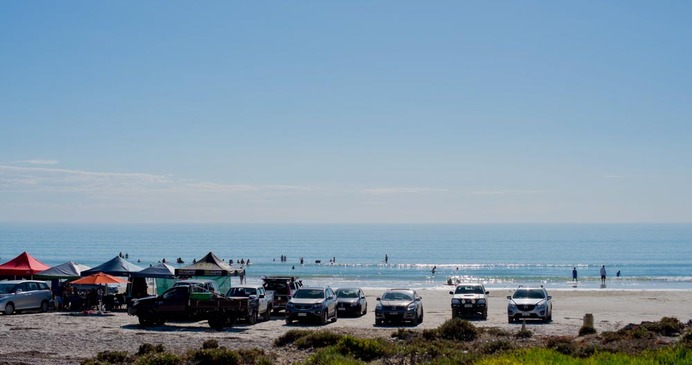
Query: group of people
{"points": [[602, 272]]}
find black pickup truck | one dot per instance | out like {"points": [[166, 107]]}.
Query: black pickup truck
{"points": [[282, 288], [192, 303]]}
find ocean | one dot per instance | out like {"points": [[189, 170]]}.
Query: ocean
{"points": [[649, 256]]}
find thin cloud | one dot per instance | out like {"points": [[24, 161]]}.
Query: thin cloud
{"points": [[506, 192], [37, 162], [403, 190]]}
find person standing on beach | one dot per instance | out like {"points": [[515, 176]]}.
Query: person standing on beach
{"points": [[603, 274], [386, 258], [574, 274]]}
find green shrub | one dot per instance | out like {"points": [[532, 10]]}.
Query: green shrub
{"points": [[159, 358], [496, 346], [147, 348], [290, 337], [210, 344], [498, 332], [458, 329], [317, 339], [523, 333], [329, 356], [253, 356], [218, 356], [561, 344], [406, 334], [586, 330], [365, 349], [667, 326], [114, 357]]}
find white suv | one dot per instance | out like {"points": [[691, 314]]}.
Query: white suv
{"points": [[469, 299], [528, 303]]}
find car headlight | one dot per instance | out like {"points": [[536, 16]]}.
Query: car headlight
{"points": [[456, 301], [317, 306], [289, 305], [378, 306], [411, 307], [512, 305], [481, 301]]}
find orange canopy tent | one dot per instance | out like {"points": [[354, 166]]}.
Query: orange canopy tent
{"points": [[22, 265], [99, 278]]}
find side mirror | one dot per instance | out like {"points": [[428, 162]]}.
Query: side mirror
{"points": [[378, 299], [19, 291], [487, 293], [451, 292], [419, 299], [261, 296], [509, 297], [550, 297]]}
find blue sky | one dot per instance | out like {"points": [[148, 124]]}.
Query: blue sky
{"points": [[345, 112]]}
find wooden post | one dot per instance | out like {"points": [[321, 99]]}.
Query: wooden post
{"points": [[588, 320]]}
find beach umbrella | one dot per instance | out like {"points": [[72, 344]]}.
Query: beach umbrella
{"points": [[98, 279]]}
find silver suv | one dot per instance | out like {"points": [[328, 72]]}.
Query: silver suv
{"points": [[469, 299], [530, 303], [316, 303], [18, 295]]}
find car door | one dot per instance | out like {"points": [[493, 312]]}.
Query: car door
{"points": [[262, 300], [173, 303], [22, 296], [331, 302]]}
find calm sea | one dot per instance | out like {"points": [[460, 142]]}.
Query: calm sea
{"points": [[649, 256]]}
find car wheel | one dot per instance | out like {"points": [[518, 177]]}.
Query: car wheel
{"points": [[485, 314], [144, 321], [510, 320], [324, 318], [252, 318], [365, 310], [378, 322], [420, 318], [289, 321], [44, 306], [9, 308], [268, 314], [336, 316]]}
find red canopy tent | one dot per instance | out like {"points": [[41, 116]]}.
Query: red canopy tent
{"points": [[22, 265]]}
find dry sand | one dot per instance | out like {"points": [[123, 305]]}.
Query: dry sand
{"points": [[66, 338]]}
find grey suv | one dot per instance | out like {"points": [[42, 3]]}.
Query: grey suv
{"points": [[18, 295], [315, 303], [530, 303], [398, 305]]}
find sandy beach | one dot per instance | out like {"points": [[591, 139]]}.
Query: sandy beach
{"points": [[67, 338]]}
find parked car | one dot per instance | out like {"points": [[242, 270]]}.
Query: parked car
{"points": [[312, 303], [399, 305], [283, 287], [19, 295], [351, 301], [469, 298], [206, 284], [259, 301], [530, 303]]}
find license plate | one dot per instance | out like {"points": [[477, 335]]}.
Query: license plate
{"points": [[526, 314], [468, 305], [342, 308], [302, 314]]}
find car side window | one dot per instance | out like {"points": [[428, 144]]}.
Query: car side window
{"points": [[23, 286], [43, 286], [32, 286]]}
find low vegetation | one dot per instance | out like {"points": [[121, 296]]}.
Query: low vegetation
{"points": [[667, 341]]}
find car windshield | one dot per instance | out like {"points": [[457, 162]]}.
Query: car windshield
{"points": [[7, 288], [242, 292], [529, 294], [347, 293], [397, 295], [309, 294], [469, 289]]}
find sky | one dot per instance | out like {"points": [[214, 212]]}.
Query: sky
{"points": [[345, 112]]}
